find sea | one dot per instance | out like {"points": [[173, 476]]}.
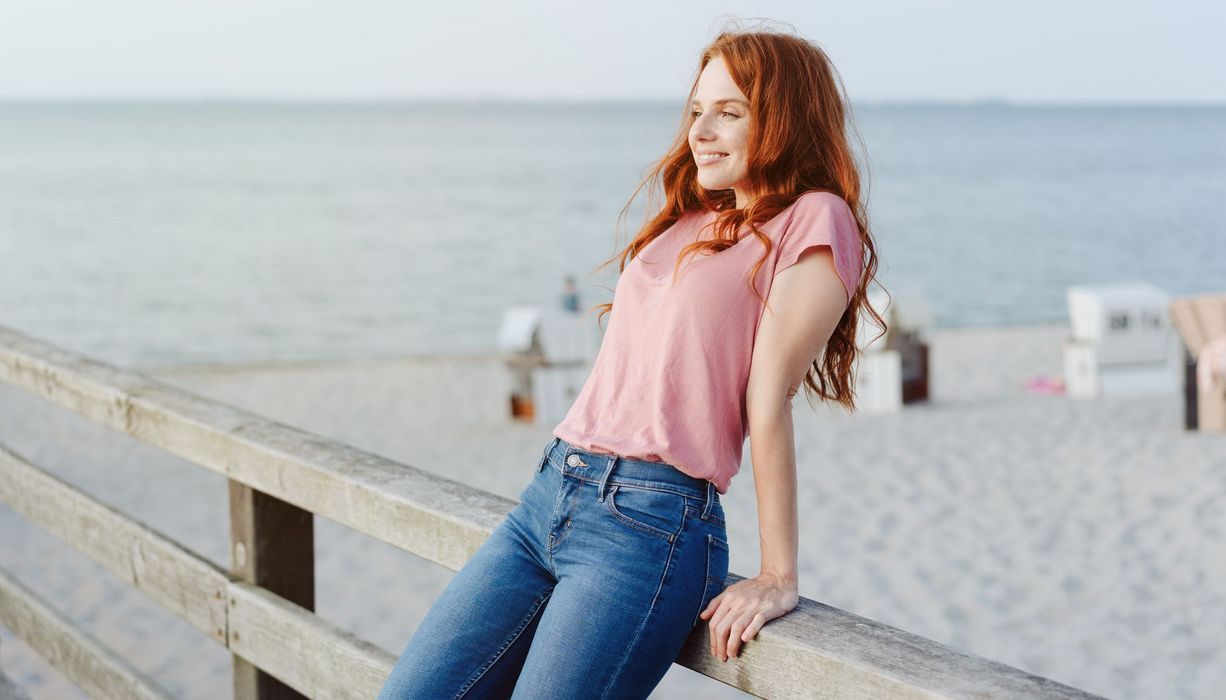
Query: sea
{"points": [[155, 234]]}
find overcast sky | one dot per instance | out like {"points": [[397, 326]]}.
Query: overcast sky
{"points": [[1022, 51]]}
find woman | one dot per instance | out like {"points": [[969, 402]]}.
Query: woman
{"points": [[749, 280]]}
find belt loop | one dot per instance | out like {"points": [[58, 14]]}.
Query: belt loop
{"points": [[545, 457], [706, 509], [605, 478]]}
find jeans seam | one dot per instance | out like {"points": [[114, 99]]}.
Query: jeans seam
{"points": [[558, 500], [505, 645], [706, 584], [635, 485], [638, 634]]}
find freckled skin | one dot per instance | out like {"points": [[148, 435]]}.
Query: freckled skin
{"points": [[722, 127]]}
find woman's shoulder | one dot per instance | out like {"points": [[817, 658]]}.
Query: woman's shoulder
{"points": [[822, 213], [821, 218], [820, 201]]}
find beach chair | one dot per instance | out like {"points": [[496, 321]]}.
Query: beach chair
{"points": [[1120, 342], [1201, 323]]}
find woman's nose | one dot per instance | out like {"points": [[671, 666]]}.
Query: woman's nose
{"points": [[702, 127]]}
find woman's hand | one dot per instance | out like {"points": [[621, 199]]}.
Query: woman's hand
{"points": [[741, 609]]}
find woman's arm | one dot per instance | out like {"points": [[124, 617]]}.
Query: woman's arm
{"points": [[805, 304]]}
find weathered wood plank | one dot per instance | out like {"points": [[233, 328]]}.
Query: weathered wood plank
{"points": [[438, 519], [815, 651], [180, 580], [272, 545], [83, 659], [303, 650]]}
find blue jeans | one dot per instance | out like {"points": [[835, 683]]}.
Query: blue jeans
{"points": [[587, 589]]}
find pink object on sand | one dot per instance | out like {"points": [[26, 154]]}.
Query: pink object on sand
{"points": [[1045, 385]]}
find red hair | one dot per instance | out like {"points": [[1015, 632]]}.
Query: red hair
{"points": [[797, 144]]}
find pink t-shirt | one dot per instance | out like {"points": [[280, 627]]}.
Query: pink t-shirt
{"points": [[669, 380]]}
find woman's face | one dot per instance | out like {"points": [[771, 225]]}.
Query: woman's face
{"points": [[720, 131]]}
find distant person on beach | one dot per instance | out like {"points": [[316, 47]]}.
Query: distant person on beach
{"points": [[748, 282], [570, 296]]}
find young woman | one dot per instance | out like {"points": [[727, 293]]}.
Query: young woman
{"points": [[749, 280]]}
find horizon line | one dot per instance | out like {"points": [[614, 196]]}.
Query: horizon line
{"points": [[576, 101]]}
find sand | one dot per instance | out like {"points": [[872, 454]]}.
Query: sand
{"points": [[1084, 541]]}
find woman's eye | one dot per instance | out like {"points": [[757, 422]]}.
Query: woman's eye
{"points": [[695, 114]]}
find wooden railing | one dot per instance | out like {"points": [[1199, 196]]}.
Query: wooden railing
{"points": [[260, 607]]}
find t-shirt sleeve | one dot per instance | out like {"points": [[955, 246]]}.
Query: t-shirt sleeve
{"points": [[824, 219]]}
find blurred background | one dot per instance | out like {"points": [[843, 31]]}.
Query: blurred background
{"points": [[261, 181], [191, 189]]}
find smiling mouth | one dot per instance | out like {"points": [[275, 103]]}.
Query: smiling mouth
{"points": [[711, 157]]}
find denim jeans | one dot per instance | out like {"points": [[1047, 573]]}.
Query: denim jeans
{"points": [[587, 589]]}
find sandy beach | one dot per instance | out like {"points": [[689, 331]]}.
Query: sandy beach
{"points": [[1084, 541]]}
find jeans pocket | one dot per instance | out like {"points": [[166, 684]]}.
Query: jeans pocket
{"points": [[717, 571], [652, 511]]}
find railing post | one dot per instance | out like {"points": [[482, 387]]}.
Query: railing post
{"points": [[272, 545]]}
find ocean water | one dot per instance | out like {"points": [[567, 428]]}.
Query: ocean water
{"points": [[154, 234]]}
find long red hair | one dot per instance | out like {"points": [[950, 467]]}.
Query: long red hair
{"points": [[797, 143]]}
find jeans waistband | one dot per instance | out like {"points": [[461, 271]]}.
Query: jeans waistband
{"points": [[610, 468]]}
